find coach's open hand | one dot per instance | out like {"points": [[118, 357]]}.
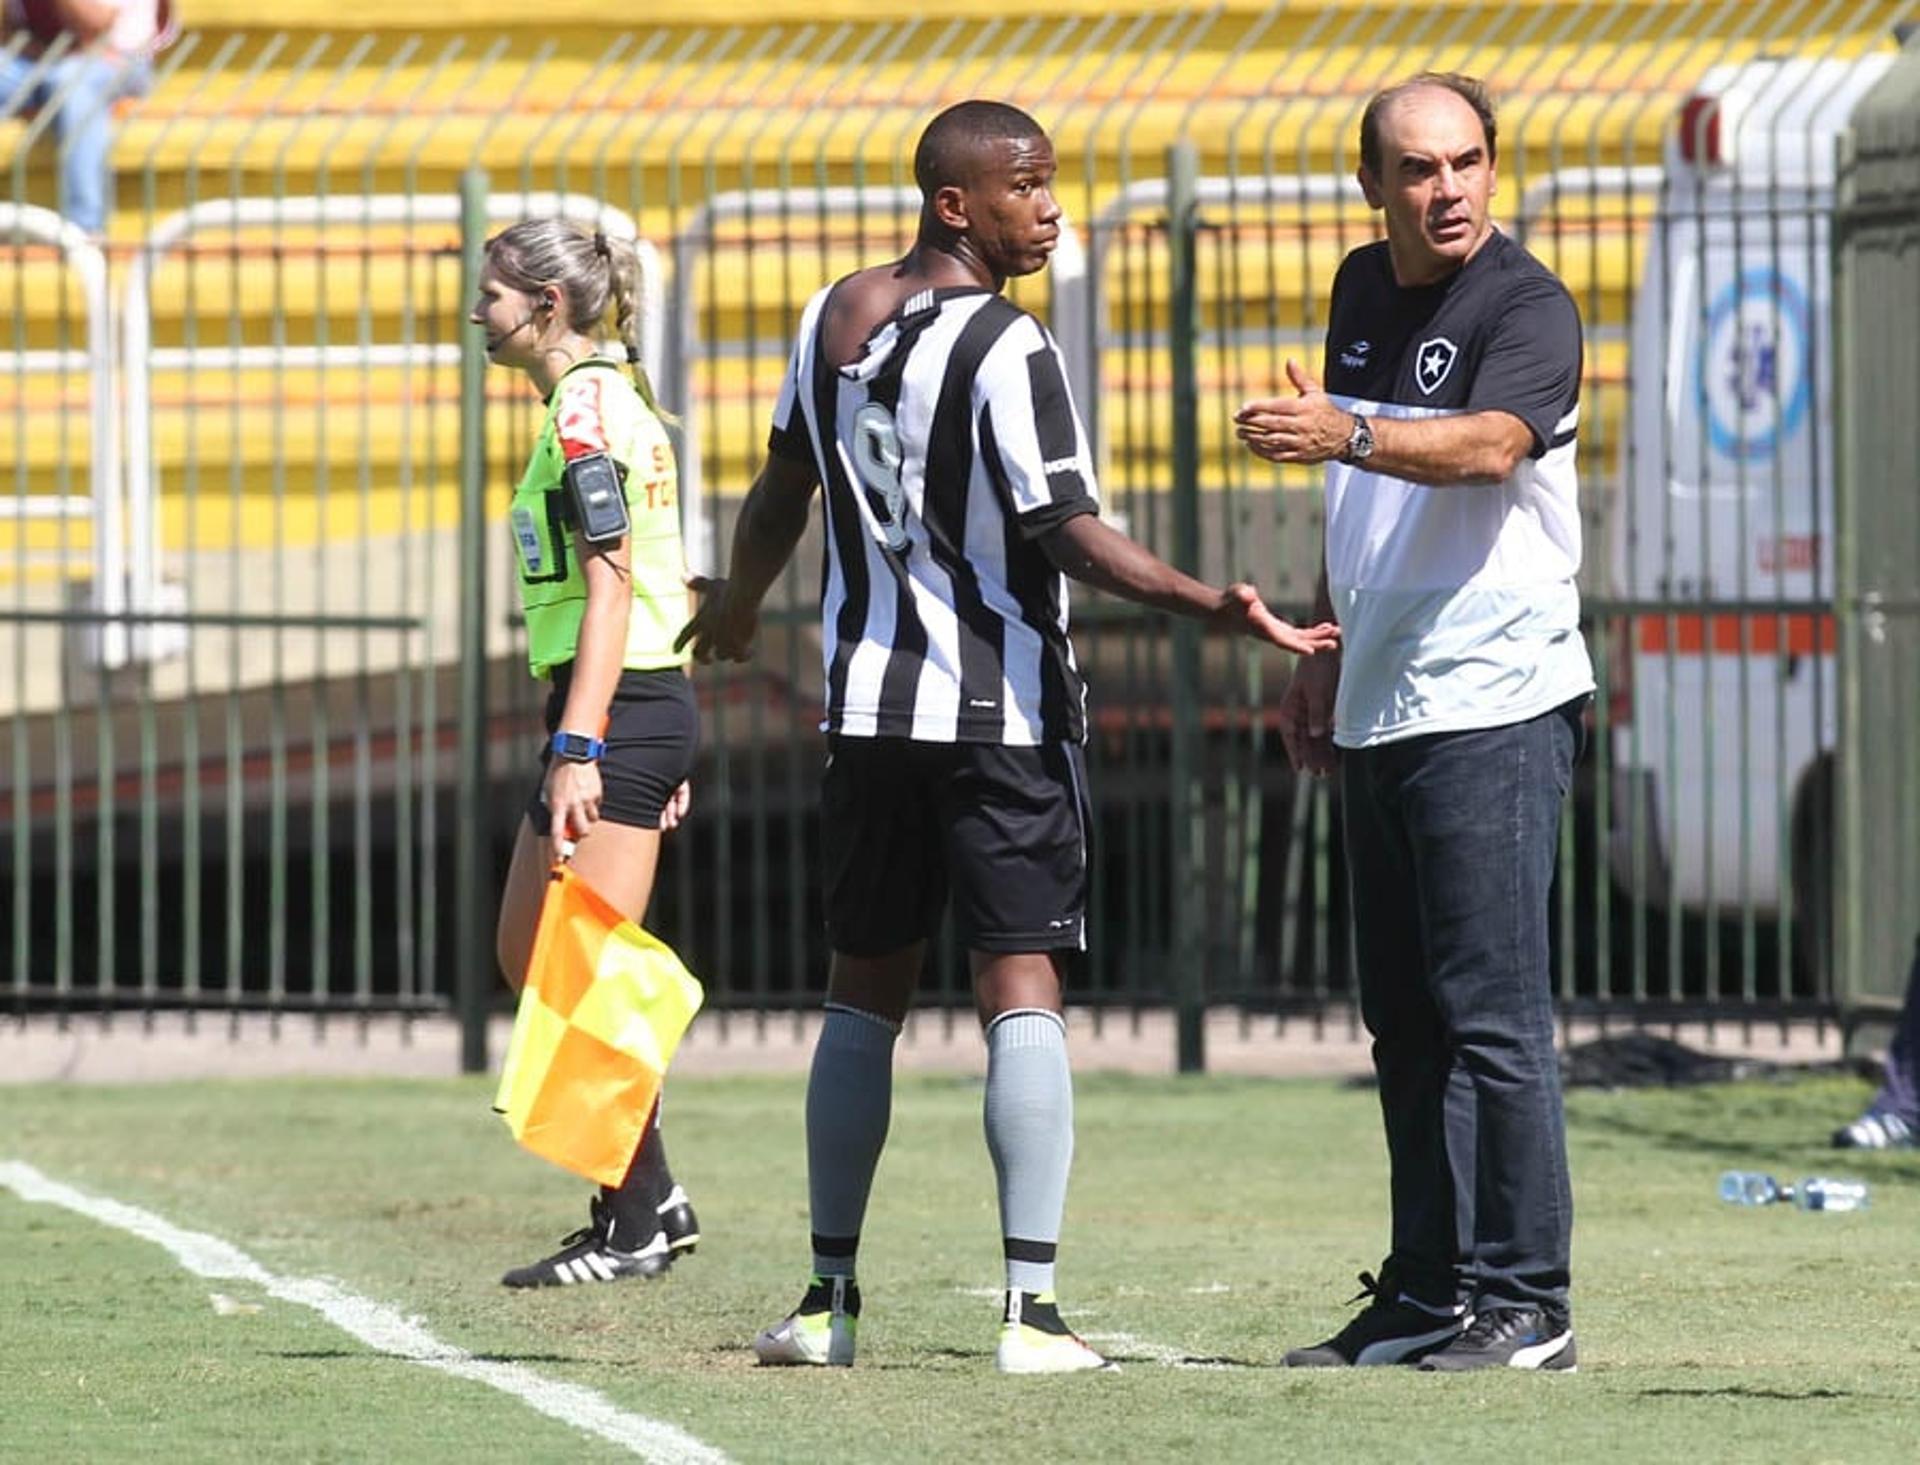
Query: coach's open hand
{"points": [[1243, 612], [1308, 428], [721, 629]]}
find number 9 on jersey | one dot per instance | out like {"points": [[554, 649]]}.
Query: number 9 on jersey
{"points": [[877, 459]]}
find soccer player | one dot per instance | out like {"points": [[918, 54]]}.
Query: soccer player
{"points": [[596, 533], [959, 488]]}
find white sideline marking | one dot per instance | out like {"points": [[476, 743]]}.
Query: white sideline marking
{"points": [[1138, 1350], [378, 1326]]}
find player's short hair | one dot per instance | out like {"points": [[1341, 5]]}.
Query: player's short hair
{"points": [[949, 151], [1470, 90]]}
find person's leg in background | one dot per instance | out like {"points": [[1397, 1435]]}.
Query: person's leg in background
{"points": [[1891, 1120], [84, 89]]}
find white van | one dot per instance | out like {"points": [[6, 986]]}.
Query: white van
{"points": [[1724, 727]]}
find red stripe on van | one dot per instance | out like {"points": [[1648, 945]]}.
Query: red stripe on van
{"points": [[1736, 635]]}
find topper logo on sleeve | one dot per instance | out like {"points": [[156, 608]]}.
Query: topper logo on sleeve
{"points": [[1434, 362], [1354, 356]]}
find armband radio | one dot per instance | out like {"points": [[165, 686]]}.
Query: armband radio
{"points": [[598, 499]]}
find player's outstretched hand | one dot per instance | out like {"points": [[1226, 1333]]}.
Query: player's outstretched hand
{"points": [[721, 630], [1243, 611]]}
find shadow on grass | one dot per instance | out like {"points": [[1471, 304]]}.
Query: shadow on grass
{"points": [[1114, 1355], [1746, 1391]]}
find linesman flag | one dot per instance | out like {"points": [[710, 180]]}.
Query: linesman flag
{"points": [[603, 1009]]}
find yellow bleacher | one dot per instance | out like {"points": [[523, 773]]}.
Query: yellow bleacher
{"points": [[350, 98]]}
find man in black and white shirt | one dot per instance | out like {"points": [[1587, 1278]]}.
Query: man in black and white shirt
{"points": [[959, 491], [1453, 716]]}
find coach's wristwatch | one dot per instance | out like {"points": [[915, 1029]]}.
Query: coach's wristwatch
{"points": [[1359, 442], [577, 747]]}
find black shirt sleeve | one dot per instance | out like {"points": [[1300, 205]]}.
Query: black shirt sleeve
{"points": [[1530, 365]]}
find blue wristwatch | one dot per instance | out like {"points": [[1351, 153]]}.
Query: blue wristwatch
{"points": [[577, 747]]}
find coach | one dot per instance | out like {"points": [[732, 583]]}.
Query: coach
{"points": [[1452, 542]]}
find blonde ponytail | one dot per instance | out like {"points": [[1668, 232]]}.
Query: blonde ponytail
{"points": [[595, 272]]}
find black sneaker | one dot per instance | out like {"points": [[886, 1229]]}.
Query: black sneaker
{"points": [[679, 1222], [595, 1254], [1390, 1329], [1509, 1337]]}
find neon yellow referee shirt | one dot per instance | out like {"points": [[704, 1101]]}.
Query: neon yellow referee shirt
{"points": [[595, 408]]}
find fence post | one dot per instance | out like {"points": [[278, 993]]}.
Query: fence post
{"points": [[473, 963], [1188, 951], [1876, 321]]}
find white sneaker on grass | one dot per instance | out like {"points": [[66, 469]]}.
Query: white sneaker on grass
{"points": [[1033, 1339], [819, 1331]]}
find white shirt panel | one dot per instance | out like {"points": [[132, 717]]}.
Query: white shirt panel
{"points": [[1458, 606]]}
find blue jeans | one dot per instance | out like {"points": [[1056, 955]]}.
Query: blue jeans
{"points": [[1451, 840], [84, 88]]}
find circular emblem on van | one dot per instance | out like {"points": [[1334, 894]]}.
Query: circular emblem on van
{"points": [[1755, 375]]}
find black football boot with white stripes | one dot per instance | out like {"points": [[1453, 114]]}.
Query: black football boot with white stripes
{"points": [[1392, 1328], [678, 1221], [601, 1252], [1509, 1337]]}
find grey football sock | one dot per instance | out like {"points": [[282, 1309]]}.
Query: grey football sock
{"points": [[1029, 1122], [849, 1103]]}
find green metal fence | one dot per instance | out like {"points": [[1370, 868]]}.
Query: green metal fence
{"points": [[267, 730], [1877, 287]]}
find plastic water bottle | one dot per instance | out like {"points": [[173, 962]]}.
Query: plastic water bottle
{"points": [[1815, 1193], [1751, 1188], [1823, 1193]]}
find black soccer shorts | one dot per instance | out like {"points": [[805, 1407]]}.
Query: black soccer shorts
{"points": [[1004, 829], [653, 729]]}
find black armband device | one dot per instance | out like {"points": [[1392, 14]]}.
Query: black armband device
{"points": [[599, 499]]}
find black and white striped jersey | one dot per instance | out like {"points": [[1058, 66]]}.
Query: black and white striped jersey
{"points": [[945, 451]]}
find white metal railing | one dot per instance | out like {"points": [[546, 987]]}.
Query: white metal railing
{"points": [[139, 358], [102, 504], [1070, 310]]}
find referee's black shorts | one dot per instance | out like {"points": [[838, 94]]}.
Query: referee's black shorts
{"points": [[1005, 829], [653, 728]]}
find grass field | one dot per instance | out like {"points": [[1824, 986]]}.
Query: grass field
{"points": [[1211, 1222]]}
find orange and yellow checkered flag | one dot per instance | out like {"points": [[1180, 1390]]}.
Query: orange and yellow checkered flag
{"points": [[603, 1009]]}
